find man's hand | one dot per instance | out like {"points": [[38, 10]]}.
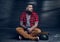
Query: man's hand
{"points": [[30, 30], [34, 26]]}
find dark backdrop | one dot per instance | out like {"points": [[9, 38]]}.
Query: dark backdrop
{"points": [[48, 11]]}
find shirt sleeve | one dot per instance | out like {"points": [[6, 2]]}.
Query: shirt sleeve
{"points": [[36, 17], [21, 17]]}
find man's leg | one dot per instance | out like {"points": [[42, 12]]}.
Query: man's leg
{"points": [[35, 31], [21, 31]]}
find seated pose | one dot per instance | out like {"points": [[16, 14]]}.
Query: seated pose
{"points": [[28, 24]]}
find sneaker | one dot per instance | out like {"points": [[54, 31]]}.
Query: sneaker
{"points": [[37, 39], [20, 38]]}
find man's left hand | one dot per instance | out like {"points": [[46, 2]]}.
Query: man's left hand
{"points": [[30, 30]]}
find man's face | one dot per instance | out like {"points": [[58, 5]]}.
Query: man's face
{"points": [[30, 8]]}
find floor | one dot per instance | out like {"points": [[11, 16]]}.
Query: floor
{"points": [[10, 35]]}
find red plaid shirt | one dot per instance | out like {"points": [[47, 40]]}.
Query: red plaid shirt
{"points": [[33, 18]]}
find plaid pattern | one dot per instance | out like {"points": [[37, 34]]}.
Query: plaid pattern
{"points": [[33, 19]]}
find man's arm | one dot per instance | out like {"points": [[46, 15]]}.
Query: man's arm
{"points": [[21, 23], [34, 26], [21, 19], [36, 22]]}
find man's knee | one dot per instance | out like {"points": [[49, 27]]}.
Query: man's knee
{"points": [[19, 28], [38, 30]]}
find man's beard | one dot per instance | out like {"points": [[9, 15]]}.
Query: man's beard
{"points": [[28, 12]]}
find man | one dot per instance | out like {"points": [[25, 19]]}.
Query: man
{"points": [[29, 22]]}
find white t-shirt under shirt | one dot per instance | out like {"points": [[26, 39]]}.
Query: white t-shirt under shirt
{"points": [[28, 20]]}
